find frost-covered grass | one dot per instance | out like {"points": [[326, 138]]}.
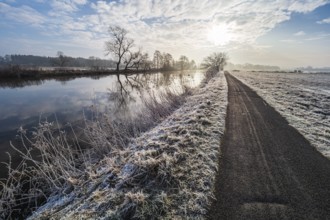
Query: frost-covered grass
{"points": [[53, 164], [302, 98], [114, 175], [165, 173]]}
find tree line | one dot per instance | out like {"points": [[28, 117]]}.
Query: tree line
{"points": [[124, 53], [248, 66], [125, 56], [60, 60], [128, 56], [122, 49]]}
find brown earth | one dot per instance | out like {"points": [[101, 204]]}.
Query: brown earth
{"points": [[267, 169]]}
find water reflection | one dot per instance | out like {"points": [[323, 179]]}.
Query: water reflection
{"points": [[128, 92], [23, 82], [15, 83], [26, 102]]}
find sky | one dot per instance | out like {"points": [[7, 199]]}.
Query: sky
{"points": [[285, 33]]}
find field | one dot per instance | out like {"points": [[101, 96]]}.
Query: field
{"points": [[302, 98]]}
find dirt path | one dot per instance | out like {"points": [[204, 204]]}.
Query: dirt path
{"points": [[267, 169]]}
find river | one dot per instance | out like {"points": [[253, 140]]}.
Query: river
{"points": [[24, 103]]}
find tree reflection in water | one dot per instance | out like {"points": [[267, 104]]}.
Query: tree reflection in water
{"points": [[121, 96], [134, 88]]}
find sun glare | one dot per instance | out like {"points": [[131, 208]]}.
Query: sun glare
{"points": [[219, 35]]}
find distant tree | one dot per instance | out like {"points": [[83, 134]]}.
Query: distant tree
{"points": [[7, 58], [184, 62], [145, 63], [158, 59], [119, 44], [62, 60], [192, 64], [94, 63], [215, 60], [138, 60], [42, 61], [167, 61]]}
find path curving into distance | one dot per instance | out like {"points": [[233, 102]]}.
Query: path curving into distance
{"points": [[267, 169]]}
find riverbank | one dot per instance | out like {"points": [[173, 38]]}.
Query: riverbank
{"points": [[167, 172], [41, 73], [108, 121]]}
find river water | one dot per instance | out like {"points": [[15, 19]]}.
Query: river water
{"points": [[24, 103]]}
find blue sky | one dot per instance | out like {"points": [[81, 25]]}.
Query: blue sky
{"points": [[286, 33]]}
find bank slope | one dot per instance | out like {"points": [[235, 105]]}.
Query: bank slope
{"points": [[167, 173]]}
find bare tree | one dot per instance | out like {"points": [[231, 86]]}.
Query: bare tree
{"points": [[7, 58], [132, 59], [62, 60], [184, 62], [167, 61], [215, 60], [94, 63], [119, 44], [145, 63], [158, 59], [192, 64]]}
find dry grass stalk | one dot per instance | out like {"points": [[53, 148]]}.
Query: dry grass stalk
{"points": [[54, 164]]}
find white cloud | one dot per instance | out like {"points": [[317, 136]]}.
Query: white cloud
{"points": [[319, 37], [60, 7], [23, 14], [299, 33], [80, 2], [324, 21], [305, 6], [288, 40], [291, 41], [186, 23], [177, 27]]}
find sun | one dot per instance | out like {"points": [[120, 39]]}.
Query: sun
{"points": [[219, 35]]}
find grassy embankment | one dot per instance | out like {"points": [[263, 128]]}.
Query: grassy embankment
{"points": [[166, 172]]}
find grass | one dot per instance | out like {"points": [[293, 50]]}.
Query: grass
{"points": [[50, 163], [165, 173], [127, 168], [55, 164]]}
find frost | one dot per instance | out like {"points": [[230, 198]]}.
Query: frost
{"points": [[302, 98], [166, 173], [54, 203]]}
